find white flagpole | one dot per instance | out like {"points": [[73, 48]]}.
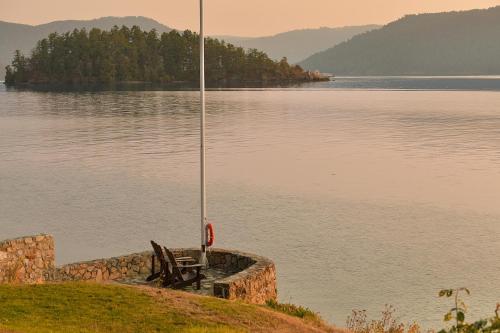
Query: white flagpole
{"points": [[202, 139]]}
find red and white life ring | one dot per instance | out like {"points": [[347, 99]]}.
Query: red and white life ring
{"points": [[210, 234]]}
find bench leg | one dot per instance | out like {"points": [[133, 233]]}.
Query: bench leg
{"points": [[198, 281]]}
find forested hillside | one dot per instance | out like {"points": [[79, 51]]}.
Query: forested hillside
{"points": [[454, 43]]}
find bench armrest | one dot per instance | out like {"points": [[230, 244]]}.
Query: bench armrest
{"points": [[193, 266], [182, 259]]}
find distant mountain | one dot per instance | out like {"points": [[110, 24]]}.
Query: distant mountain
{"points": [[23, 37], [453, 43], [297, 45]]}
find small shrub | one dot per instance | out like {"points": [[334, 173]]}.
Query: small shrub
{"points": [[458, 312], [293, 310], [358, 323], [460, 308]]}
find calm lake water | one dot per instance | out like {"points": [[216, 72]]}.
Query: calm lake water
{"points": [[363, 197]]}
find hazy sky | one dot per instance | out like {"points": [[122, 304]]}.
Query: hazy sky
{"points": [[235, 17]]}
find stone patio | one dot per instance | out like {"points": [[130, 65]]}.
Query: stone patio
{"points": [[207, 284]]}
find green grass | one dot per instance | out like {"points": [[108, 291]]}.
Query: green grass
{"points": [[87, 307], [94, 308]]}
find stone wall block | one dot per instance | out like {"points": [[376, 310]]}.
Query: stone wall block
{"points": [[28, 259]]}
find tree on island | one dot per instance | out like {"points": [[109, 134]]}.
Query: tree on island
{"points": [[131, 54]]}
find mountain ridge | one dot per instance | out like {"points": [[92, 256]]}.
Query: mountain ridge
{"points": [[298, 44], [447, 43]]}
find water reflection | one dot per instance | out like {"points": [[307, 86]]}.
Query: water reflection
{"points": [[380, 189]]}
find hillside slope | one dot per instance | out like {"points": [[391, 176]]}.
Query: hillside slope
{"points": [[453, 43], [297, 45], [85, 307], [23, 37]]}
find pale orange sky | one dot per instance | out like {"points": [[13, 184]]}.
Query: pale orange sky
{"points": [[235, 17]]}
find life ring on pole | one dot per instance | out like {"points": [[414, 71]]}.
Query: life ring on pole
{"points": [[210, 234]]}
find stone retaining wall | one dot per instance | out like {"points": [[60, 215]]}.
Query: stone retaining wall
{"points": [[253, 277], [112, 269], [27, 259], [31, 260], [255, 281]]}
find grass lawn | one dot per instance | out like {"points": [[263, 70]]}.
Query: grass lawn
{"points": [[87, 307]]}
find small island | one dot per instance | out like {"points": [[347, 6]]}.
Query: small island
{"points": [[125, 55]]}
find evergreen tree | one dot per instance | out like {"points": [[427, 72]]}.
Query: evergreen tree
{"points": [[124, 54]]}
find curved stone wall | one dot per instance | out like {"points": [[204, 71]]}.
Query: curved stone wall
{"points": [[252, 278], [248, 277]]}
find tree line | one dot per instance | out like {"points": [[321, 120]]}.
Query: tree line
{"points": [[131, 54]]}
